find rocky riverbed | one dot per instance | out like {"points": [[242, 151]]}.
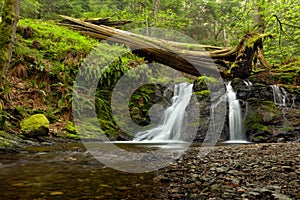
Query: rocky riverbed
{"points": [[253, 171]]}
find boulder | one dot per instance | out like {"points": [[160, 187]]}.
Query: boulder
{"points": [[35, 126]]}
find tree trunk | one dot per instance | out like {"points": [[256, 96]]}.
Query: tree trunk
{"points": [[155, 10], [259, 21], [8, 25]]}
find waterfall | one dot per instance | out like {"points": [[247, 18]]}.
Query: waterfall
{"points": [[235, 116], [171, 126], [248, 83], [279, 95]]}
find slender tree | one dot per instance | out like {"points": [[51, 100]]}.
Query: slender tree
{"points": [[8, 25]]}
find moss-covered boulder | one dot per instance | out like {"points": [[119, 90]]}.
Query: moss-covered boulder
{"points": [[261, 116], [34, 126]]}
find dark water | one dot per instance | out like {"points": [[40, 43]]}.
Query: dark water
{"points": [[69, 172]]}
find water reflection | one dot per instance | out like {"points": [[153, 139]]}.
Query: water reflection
{"points": [[68, 172]]}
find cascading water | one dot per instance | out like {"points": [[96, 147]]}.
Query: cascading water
{"points": [[235, 116], [248, 83], [280, 98], [279, 95], [171, 125]]}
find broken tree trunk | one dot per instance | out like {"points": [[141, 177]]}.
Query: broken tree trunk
{"points": [[102, 21], [193, 59]]}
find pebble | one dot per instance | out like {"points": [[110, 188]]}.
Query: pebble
{"points": [[253, 171]]}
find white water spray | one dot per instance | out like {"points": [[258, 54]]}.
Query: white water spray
{"points": [[172, 121], [248, 83], [279, 95], [235, 116]]}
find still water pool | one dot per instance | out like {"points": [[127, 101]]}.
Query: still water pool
{"points": [[69, 172]]}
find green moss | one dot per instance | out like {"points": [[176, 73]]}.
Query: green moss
{"points": [[73, 136], [70, 128], [287, 73], [206, 79], [254, 39], [57, 41], [259, 127], [252, 119], [289, 67], [34, 122], [203, 93], [254, 122], [293, 89], [269, 105], [5, 141], [233, 65]]}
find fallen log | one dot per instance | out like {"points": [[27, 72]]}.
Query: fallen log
{"points": [[101, 21], [193, 59]]}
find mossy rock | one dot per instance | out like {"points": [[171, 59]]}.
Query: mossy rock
{"points": [[265, 112], [203, 81], [256, 131], [203, 95], [259, 137], [34, 126]]}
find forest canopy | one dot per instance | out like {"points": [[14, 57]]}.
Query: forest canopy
{"points": [[221, 22]]}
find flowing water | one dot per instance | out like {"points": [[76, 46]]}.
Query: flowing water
{"points": [[236, 129], [171, 125], [279, 95]]}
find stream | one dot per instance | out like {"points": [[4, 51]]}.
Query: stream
{"points": [[68, 171]]}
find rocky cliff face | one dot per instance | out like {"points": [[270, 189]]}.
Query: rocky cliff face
{"points": [[267, 116], [270, 117]]}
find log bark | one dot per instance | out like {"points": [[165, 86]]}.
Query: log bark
{"points": [[103, 21]]}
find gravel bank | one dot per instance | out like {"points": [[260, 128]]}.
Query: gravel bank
{"points": [[254, 171]]}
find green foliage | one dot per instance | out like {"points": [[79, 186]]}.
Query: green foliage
{"points": [[6, 140], [30, 8], [222, 22], [1, 4]]}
